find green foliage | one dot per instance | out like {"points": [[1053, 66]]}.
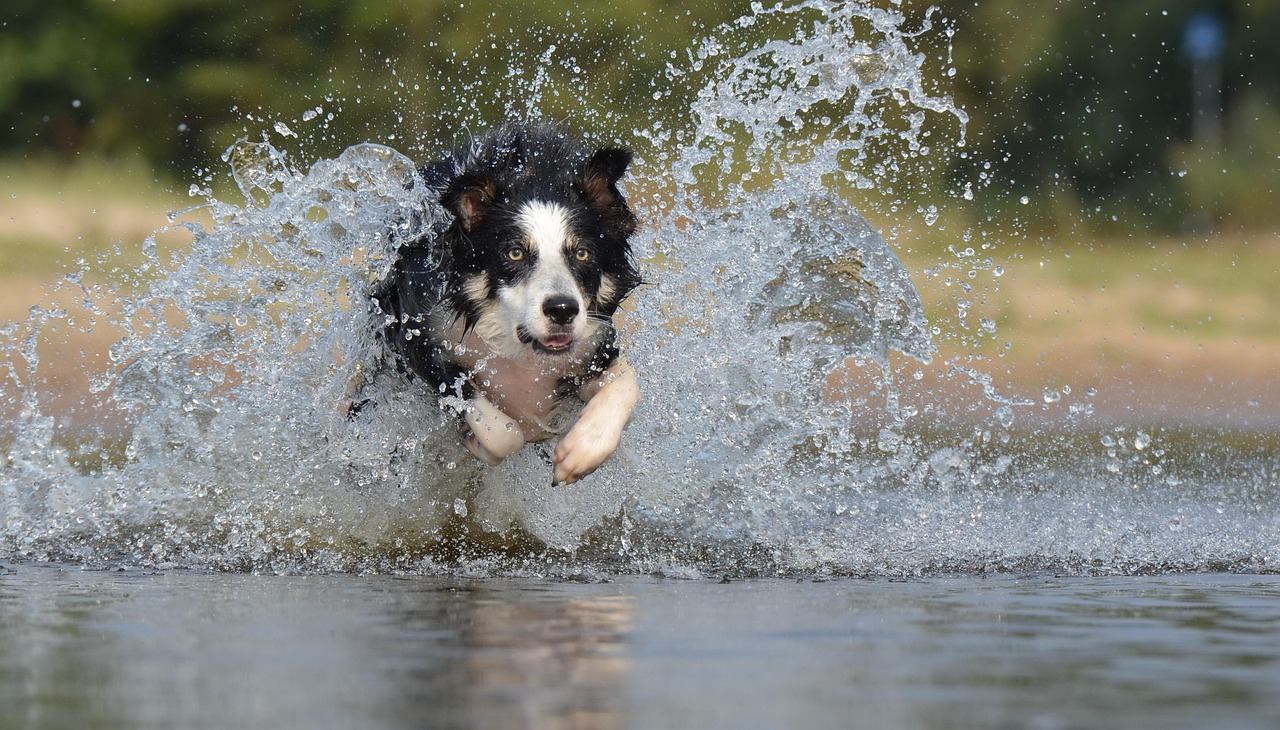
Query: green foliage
{"points": [[1078, 103], [179, 80], [1095, 99]]}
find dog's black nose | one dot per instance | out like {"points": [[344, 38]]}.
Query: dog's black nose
{"points": [[560, 310]]}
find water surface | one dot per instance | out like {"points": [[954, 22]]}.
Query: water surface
{"points": [[130, 649]]}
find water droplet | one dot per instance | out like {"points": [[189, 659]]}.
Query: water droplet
{"points": [[889, 442]]}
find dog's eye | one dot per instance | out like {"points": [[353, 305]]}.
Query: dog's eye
{"points": [[515, 254], [582, 254]]}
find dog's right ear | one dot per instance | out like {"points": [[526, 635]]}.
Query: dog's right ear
{"points": [[468, 198]]}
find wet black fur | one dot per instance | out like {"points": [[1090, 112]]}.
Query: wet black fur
{"points": [[484, 185]]}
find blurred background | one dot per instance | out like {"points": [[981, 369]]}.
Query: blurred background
{"points": [[1109, 220]]}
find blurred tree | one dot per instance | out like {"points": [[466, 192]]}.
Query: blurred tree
{"points": [[178, 80], [1077, 104], [1092, 102]]}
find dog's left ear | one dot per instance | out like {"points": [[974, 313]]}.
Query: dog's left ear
{"points": [[598, 183]]}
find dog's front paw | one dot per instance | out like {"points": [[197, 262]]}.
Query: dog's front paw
{"points": [[587, 445], [476, 448], [490, 434], [594, 438]]}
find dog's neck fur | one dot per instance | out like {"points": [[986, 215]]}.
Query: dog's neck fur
{"points": [[527, 387]]}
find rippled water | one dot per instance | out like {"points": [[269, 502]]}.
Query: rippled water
{"points": [[130, 649], [775, 347]]}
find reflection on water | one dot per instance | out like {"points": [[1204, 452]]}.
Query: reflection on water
{"points": [[104, 650], [542, 663], [177, 649]]}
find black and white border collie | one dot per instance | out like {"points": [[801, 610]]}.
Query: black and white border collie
{"points": [[506, 310]]}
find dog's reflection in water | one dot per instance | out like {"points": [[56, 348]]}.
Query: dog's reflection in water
{"points": [[548, 664]]}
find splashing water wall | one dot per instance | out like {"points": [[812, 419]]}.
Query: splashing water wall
{"points": [[749, 453]]}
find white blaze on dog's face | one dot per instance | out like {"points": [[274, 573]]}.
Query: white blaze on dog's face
{"points": [[543, 304], [542, 253]]}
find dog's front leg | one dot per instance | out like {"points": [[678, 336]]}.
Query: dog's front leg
{"points": [[490, 434], [610, 400]]}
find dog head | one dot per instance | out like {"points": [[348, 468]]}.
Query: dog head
{"points": [[540, 241]]}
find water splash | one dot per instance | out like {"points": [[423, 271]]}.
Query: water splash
{"points": [[771, 436]]}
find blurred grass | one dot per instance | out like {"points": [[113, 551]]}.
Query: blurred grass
{"points": [[53, 212], [1182, 328], [1220, 286], [1034, 312]]}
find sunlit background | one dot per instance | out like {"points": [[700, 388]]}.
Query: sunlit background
{"points": [[1107, 219]]}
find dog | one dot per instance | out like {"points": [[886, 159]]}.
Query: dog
{"points": [[506, 308]]}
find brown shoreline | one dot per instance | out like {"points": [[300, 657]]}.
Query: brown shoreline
{"points": [[1172, 332]]}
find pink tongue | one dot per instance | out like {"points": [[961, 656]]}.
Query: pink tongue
{"points": [[556, 342]]}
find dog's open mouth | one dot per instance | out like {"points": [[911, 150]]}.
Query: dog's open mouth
{"points": [[553, 344]]}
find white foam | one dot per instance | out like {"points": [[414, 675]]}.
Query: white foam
{"points": [[241, 355]]}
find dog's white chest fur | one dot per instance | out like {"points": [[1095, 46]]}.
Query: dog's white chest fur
{"points": [[524, 388], [519, 402]]}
